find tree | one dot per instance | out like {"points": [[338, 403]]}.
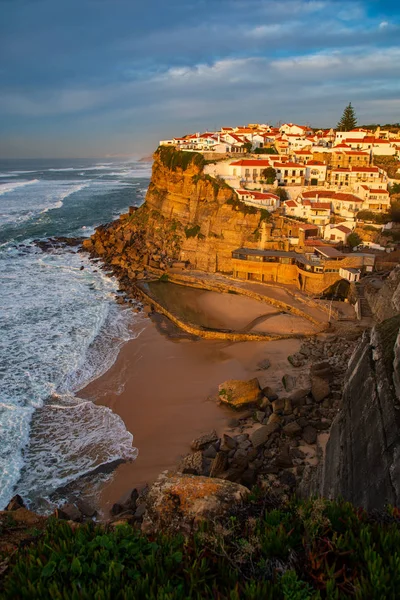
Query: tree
{"points": [[354, 240], [270, 174], [395, 211], [281, 193], [248, 146], [348, 120]]}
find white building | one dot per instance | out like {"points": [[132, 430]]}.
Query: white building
{"points": [[337, 232], [266, 201]]}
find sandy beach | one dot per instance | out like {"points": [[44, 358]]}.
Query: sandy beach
{"points": [[163, 386]]}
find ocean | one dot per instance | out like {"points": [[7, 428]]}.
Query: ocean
{"points": [[60, 326]]}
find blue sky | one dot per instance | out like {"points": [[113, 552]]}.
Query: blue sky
{"points": [[97, 77]]}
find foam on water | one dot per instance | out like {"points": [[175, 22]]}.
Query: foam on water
{"points": [[6, 188], [61, 328]]}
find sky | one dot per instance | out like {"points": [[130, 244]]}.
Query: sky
{"points": [[89, 78]]}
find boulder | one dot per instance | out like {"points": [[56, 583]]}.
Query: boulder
{"points": [[204, 440], [284, 460], [69, 512], [292, 429], [15, 503], [289, 382], [320, 388], [192, 463], [309, 434], [238, 393], [263, 365], [228, 443], [218, 465], [260, 434], [179, 503], [269, 393]]}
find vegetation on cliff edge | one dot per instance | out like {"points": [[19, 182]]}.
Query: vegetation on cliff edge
{"points": [[304, 550], [173, 159]]}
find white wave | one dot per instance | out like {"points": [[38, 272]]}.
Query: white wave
{"points": [[8, 175], [54, 342], [63, 195], [5, 188]]}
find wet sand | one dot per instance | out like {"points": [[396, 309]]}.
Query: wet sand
{"points": [[163, 390]]}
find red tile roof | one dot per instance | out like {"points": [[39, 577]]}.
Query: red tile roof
{"points": [[343, 229], [321, 205], [290, 203], [319, 193], [249, 162], [379, 192], [364, 169], [346, 197], [315, 162], [291, 165]]}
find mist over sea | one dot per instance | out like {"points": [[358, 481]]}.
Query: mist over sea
{"points": [[60, 326]]}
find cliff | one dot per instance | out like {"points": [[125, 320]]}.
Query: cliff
{"points": [[187, 215], [362, 455]]}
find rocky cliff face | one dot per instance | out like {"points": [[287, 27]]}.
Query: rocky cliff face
{"points": [[186, 216], [362, 459]]}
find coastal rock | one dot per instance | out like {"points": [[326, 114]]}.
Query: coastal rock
{"points": [[204, 440], [260, 434], [180, 503], [69, 512], [292, 429], [218, 465], [263, 365], [289, 382], [15, 503], [192, 463], [238, 393], [309, 434], [320, 388]]}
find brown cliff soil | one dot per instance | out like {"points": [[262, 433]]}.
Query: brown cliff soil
{"points": [[187, 216]]}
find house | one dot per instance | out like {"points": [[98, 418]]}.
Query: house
{"points": [[315, 172], [293, 129], [266, 201], [337, 233], [376, 200], [302, 156], [249, 170], [290, 173], [345, 158], [346, 205]]}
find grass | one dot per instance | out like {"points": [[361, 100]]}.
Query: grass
{"points": [[303, 550]]}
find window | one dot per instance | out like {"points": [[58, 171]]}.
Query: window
{"points": [[234, 172], [293, 173], [286, 173], [247, 173], [254, 173], [301, 173]]}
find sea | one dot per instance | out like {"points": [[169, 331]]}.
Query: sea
{"points": [[60, 326]]}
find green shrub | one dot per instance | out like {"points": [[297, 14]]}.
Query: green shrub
{"points": [[301, 550], [174, 159], [192, 231]]}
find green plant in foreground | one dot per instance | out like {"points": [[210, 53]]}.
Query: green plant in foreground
{"points": [[303, 550]]}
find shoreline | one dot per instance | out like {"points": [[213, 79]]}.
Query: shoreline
{"points": [[164, 387]]}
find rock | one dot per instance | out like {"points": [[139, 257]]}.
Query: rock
{"points": [[139, 512], [320, 388], [192, 463], [15, 503], [117, 509], [274, 418], [233, 423], [204, 440], [260, 416], [249, 477], [218, 465], [228, 443], [260, 434], [210, 452], [292, 429], [289, 382], [69, 512], [269, 393], [309, 434], [237, 393], [298, 397], [263, 365], [180, 503], [297, 360], [287, 408], [287, 478], [284, 459], [278, 406], [26, 517], [86, 509]]}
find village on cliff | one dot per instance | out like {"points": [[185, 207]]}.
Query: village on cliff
{"points": [[335, 187]]}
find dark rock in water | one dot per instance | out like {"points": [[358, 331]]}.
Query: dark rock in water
{"points": [[192, 464], [82, 267], [289, 382], [58, 242], [270, 394], [69, 512], [283, 459], [15, 503], [320, 388], [117, 509]]}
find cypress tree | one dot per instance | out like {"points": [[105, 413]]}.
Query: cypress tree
{"points": [[348, 120]]}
